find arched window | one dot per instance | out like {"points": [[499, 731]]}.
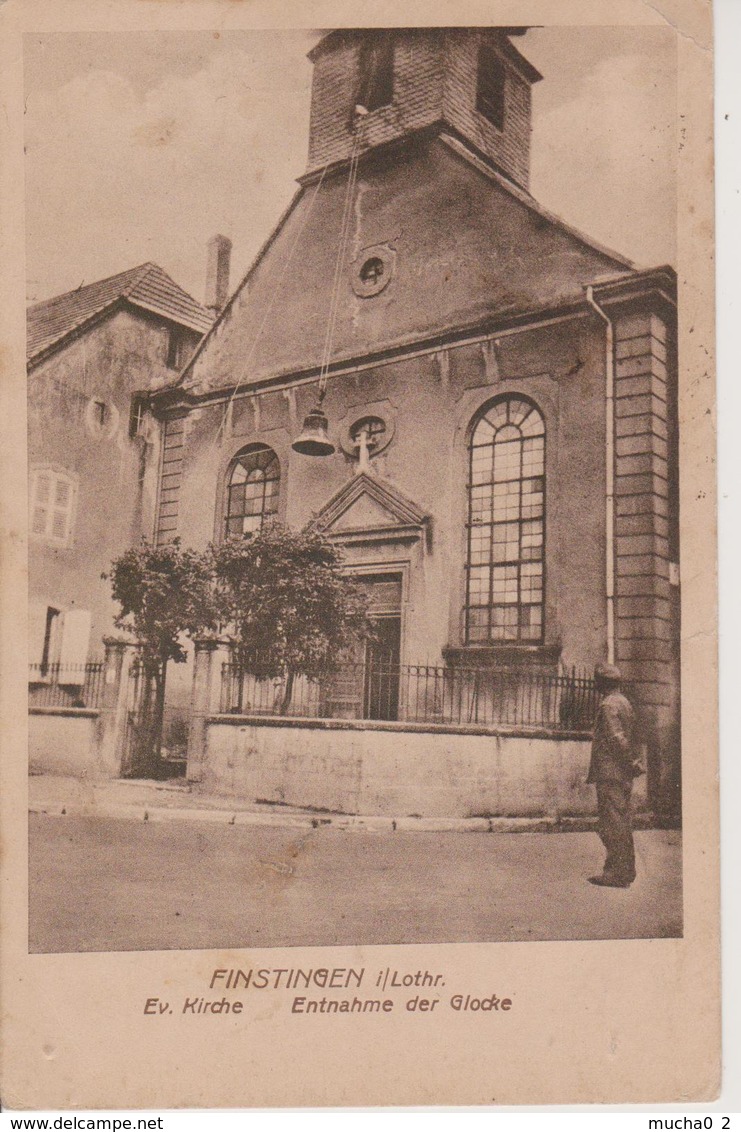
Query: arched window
{"points": [[506, 496], [252, 490]]}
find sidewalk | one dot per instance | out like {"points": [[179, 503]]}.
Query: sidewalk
{"points": [[149, 801]]}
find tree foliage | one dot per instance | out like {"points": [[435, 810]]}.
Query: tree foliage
{"points": [[280, 598], [288, 606], [163, 593]]}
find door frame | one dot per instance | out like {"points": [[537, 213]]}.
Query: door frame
{"points": [[390, 695], [401, 569], [389, 566]]}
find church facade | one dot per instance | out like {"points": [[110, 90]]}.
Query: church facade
{"points": [[500, 390]]}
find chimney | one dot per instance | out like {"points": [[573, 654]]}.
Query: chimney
{"points": [[218, 257]]}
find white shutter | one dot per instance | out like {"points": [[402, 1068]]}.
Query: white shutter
{"points": [[52, 504], [75, 638], [62, 508], [40, 500]]}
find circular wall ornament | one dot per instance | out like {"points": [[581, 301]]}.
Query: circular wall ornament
{"points": [[377, 420], [374, 429], [101, 418], [372, 270]]}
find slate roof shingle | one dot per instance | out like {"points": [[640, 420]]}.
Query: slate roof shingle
{"points": [[50, 322]]}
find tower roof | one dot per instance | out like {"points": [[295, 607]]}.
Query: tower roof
{"points": [[339, 35]]}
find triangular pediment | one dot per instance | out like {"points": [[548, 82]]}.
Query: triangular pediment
{"points": [[364, 512], [366, 505]]}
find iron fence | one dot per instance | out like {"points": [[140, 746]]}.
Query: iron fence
{"points": [[155, 741], [66, 685], [421, 693]]}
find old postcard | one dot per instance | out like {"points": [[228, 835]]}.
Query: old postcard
{"points": [[359, 677]]}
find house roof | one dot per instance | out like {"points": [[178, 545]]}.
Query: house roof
{"points": [[51, 322]]}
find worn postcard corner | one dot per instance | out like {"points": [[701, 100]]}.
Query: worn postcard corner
{"points": [[359, 670]]}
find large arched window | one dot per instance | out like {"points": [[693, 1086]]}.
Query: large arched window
{"points": [[504, 583], [252, 490]]}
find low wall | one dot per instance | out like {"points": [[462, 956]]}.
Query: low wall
{"points": [[62, 741], [398, 770]]}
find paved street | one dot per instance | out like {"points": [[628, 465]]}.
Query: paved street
{"points": [[115, 884]]}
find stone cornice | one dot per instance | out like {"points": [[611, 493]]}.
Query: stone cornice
{"points": [[640, 289]]}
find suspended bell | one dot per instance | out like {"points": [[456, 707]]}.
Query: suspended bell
{"points": [[314, 440]]}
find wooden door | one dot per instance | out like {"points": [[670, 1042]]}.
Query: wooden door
{"points": [[382, 656]]}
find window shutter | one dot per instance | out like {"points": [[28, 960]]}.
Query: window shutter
{"points": [[43, 487], [62, 493], [51, 504], [62, 508], [59, 524], [75, 638], [41, 498]]}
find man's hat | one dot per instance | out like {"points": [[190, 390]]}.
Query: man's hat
{"points": [[607, 673]]}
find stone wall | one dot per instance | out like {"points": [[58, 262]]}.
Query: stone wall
{"points": [[429, 401], [63, 741], [398, 771]]}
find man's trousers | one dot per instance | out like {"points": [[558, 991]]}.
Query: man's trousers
{"points": [[615, 829]]}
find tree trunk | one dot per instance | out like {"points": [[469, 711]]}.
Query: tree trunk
{"points": [[286, 701], [141, 767], [151, 715], [158, 716], [240, 687]]}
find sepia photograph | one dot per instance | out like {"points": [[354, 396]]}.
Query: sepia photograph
{"points": [[353, 459], [358, 677]]}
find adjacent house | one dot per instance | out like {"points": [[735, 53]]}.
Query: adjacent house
{"points": [[500, 399], [95, 355]]}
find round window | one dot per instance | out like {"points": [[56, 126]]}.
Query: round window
{"points": [[372, 271], [101, 417], [372, 428], [367, 430]]}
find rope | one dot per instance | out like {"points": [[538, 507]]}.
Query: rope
{"points": [[269, 310], [339, 268], [334, 298]]}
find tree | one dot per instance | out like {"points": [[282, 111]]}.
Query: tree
{"points": [[163, 592], [289, 607]]}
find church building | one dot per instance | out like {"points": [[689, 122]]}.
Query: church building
{"points": [[493, 391]]}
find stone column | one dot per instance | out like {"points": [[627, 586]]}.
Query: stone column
{"points": [[647, 644], [200, 706], [112, 721]]}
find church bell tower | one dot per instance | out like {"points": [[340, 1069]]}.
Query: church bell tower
{"points": [[376, 87]]}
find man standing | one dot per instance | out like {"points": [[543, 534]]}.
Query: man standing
{"points": [[614, 765]]}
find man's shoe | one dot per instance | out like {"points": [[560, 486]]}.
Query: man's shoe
{"points": [[607, 881]]}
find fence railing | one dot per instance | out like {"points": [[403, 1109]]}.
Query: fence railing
{"points": [[66, 685], [421, 693]]}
